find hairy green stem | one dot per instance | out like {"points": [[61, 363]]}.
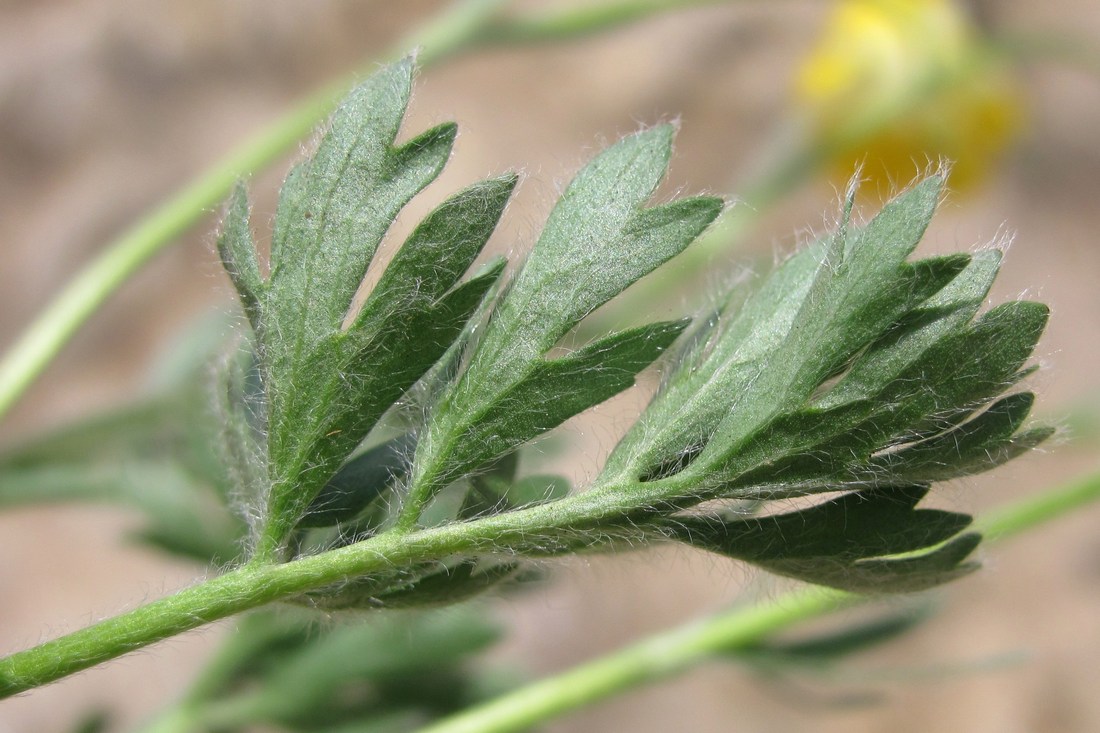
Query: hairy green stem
{"points": [[236, 591], [256, 584], [671, 652]]}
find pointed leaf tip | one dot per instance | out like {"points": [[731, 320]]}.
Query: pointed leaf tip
{"points": [[238, 254]]}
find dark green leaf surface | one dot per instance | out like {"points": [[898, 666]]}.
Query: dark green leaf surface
{"points": [[360, 481], [862, 287], [988, 440], [813, 315], [843, 542], [553, 391], [950, 309]]}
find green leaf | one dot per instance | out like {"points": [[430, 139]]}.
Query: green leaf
{"points": [[597, 241], [861, 289], [812, 448], [554, 390], [238, 255], [845, 542], [360, 481], [947, 311], [850, 368], [985, 442], [329, 372], [957, 375], [843, 358], [809, 319], [326, 235]]}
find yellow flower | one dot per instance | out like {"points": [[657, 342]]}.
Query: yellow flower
{"points": [[895, 84]]}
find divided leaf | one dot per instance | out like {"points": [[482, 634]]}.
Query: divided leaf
{"points": [[851, 369], [760, 409], [809, 318], [598, 240], [861, 288], [329, 372]]}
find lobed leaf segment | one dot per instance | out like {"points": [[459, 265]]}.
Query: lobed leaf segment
{"points": [[851, 371]]}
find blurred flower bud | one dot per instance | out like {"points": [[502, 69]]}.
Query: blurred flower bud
{"points": [[895, 84]]}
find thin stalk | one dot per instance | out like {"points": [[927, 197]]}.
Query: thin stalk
{"points": [[469, 24], [258, 583], [653, 659], [1025, 514], [51, 330], [672, 652], [234, 592], [558, 24]]}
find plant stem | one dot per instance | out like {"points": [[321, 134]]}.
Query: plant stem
{"points": [[44, 338], [655, 658], [467, 25], [257, 583], [1022, 515], [236, 591], [671, 652], [51, 330], [557, 24]]}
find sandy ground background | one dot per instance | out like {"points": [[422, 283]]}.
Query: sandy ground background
{"points": [[107, 107]]}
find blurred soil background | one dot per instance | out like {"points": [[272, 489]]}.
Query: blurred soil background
{"points": [[107, 107]]}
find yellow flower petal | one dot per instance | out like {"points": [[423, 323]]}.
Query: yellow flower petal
{"points": [[895, 84]]}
